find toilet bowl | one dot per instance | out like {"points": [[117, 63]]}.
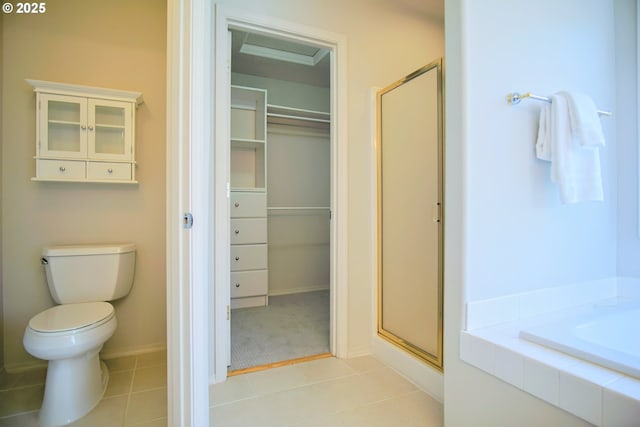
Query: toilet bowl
{"points": [[70, 336]]}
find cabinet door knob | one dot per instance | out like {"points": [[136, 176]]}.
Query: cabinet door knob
{"points": [[91, 128], [237, 231], [237, 258], [236, 204], [237, 285], [83, 127], [62, 168]]}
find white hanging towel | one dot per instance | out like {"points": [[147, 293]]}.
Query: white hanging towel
{"points": [[543, 145], [575, 165], [585, 121]]}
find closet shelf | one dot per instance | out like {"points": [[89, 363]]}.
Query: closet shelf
{"points": [[251, 144], [297, 113], [281, 115]]}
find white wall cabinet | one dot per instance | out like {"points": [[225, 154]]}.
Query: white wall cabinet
{"points": [[84, 134]]}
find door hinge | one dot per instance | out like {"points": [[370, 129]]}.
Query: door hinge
{"points": [[187, 220], [437, 212]]}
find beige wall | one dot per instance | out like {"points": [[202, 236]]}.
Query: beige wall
{"points": [[386, 41], [118, 44]]}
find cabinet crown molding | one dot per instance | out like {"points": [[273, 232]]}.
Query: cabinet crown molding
{"points": [[86, 91]]}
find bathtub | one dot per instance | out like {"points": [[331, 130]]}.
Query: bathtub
{"points": [[606, 334]]}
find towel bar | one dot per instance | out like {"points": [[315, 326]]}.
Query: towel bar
{"points": [[515, 98]]}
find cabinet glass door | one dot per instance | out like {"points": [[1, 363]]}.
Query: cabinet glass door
{"points": [[64, 127], [110, 130]]}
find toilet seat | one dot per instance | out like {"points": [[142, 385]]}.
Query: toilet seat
{"points": [[72, 317]]}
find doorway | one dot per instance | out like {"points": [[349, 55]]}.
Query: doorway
{"points": [[280, 175], [289, 125]]}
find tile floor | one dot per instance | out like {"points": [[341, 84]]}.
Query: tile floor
{"points": [[135, 396], [326, 392]]}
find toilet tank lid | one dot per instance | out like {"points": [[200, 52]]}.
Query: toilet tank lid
{"points": [[71, 250]]}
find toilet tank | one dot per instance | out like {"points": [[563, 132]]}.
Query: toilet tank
{"points": [[87, 273]]}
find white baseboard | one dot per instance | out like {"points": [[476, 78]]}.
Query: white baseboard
{"points": [[289, 291], [16, 368], [358, 352], [423, 376], [133, 351]]}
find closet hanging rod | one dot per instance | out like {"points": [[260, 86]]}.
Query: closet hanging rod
{"points": [[515, 98], [287, 116]]}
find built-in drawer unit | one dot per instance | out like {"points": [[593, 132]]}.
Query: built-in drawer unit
{"points": [[248, 257], [248, 205], [248, 198], [248, 230], [249, 283]]}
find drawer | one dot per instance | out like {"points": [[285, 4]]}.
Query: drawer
{"points": [[106, 171], [248, 257], [249, 283], [247, 205], [61, 169], [248, 230]]}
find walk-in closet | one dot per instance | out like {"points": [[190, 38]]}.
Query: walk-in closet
{"points": [[280, 201]]}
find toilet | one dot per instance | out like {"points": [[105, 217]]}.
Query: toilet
{"points": [[70, 335]]}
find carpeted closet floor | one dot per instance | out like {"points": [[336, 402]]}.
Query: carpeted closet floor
{"points": [[290, 327]]}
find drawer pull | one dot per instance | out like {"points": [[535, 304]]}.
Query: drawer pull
{"points": [[237, 285], [237, 232], [62, 168], [236, 204], [237, 258], [110, 171]]}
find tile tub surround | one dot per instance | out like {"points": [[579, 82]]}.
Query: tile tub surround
{"points": [[491, 342], [136, 395]]}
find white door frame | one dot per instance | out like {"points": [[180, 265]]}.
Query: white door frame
{"points": [[189, 98], [192, 186], [227, 17]]}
